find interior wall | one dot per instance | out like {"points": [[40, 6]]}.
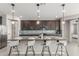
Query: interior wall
{"points": [[9, 27], [73, 35], [71, 18], [67, 30]]}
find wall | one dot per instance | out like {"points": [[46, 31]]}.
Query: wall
{"points": [[73, 35], [67, 29], [9, 26]]}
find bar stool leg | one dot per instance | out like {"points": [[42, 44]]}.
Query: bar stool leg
{"points": [[33, 50], [42, 53], [56, 50], [61, 50], [49, 51], [10, 51], [66, 51], [26, 51], [17, 50]]}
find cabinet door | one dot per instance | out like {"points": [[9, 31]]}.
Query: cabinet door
{"points": [[4, 40]]}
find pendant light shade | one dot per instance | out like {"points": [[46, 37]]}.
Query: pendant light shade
{"points": [[13, 22], [38, 22], [63, 22]]}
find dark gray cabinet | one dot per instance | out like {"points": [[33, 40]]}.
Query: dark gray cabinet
{"points": [[3, 41]]}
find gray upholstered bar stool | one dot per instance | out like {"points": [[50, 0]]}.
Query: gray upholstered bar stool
{"points": [[61, 44], [46, 44], [13, 45], [30, 44]]}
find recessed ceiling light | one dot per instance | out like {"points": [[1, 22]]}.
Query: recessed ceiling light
{"points": [[20, 16], [56, 16]]}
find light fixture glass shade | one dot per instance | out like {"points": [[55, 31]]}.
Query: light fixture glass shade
{"points": [[38, 22], [13, 22], [63, 22]]}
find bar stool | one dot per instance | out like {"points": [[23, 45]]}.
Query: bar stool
{"points": [[13, 45], [61, 44], [30, 44], [46, 45]]}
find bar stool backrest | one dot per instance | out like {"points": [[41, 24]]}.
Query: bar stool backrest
{"points": [[64, 42], [13, 43], [48, 41], [31, 42]]}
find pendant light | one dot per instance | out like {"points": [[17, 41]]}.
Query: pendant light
{"points": [[12, 20], [63, 11], [13, 11], [38, 13]]}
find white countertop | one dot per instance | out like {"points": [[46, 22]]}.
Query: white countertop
{"points": [[37, 38]]}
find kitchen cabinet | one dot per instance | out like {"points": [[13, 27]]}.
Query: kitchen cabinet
{"points": [[3, 41]]}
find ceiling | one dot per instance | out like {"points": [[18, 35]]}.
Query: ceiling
{"points": [[48, 11]]}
